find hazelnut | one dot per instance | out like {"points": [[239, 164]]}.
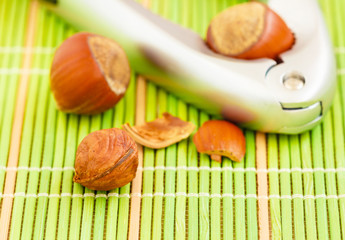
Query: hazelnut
{"points": [[89, 74], [249, 31], [106, 159]]}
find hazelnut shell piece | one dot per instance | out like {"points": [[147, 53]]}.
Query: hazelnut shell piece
{"points": [[220, 138], [89, 74], [160, 133], [106, 159]]}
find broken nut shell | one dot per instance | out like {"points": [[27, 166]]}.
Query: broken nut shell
{"points": [[161, 132], [220, 138]]}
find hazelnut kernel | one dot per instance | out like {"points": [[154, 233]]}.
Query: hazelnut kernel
{"points": [[106, 159]]}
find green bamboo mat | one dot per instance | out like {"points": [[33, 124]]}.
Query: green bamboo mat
{"points": [[184, 194]]}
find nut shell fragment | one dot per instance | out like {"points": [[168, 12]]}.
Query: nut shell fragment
{"points": [[161, 132], [106, 159], [220, 138]]}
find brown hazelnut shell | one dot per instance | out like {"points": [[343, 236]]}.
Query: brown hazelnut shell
{"points": [[161, 132], [106, 159], [220, 138]]}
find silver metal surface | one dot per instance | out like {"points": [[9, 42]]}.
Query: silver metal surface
{"points": [[252, 93], [293, 81]]}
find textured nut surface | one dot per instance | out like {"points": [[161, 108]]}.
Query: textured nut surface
{"points": [[238, 28], [220, 138], [89, 74], [106, 159]]}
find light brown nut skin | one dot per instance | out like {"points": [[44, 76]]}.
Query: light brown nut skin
{"points": [[106, 159], [89, 74]]}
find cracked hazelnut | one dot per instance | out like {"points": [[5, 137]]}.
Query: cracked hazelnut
{"points": [[249, 31], [106, 159], [89, 74]]}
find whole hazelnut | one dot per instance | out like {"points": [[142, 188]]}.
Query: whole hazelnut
{"points": [[89, 74], [106, 159]]}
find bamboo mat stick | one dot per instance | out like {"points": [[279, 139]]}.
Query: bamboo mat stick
{"points": [[250, 183], [149, 155], [128, 111], [204, 187], [261, 165], [7, 203], [170, 179], [308, 186], [159, 176], [228, 210], [114, 201], [330, 177], [285, 187], [181, 178], [193, 176], [137, 181], [273, 177], [239, 203], [297, 188], [320, 185], [134, 218]]}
